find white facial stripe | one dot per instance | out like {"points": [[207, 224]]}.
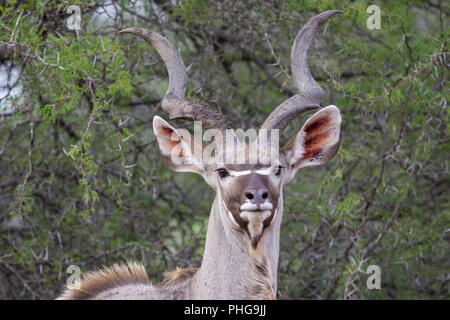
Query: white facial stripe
{"points": [[278, 208], [239, 173], [274, 216], [229, 214], [265, 172]]}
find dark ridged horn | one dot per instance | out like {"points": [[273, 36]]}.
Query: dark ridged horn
{"points": [[174, 102], [310, 93]]}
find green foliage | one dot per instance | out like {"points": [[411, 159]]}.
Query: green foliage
{"points": [[82, 181]]}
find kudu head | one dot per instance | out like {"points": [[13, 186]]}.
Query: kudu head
{"points": [[249, 190]]}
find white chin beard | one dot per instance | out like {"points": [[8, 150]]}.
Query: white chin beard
{"points": [[255, 224], [255, 221]]}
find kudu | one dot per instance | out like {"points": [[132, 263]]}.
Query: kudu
{"points": [[242, 243]]}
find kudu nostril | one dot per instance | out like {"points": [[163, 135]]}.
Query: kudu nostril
{"points": [[263, 194], [250, 194]]}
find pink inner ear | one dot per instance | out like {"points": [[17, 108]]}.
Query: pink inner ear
{"points": [[319, 133], [167, 142], [164, 131], [316, 125]]}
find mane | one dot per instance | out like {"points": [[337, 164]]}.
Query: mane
{"points": [[177, 276], [94, 283], [260, 287]]}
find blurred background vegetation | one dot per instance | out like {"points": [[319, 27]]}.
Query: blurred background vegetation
{"points": [[82, 182]]}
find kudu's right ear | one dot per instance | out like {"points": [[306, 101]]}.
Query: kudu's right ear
{"points": [[177, 146], [316, 142]]}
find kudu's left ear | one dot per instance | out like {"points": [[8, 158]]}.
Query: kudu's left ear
{"points": [[316, 142], [177, 147]]}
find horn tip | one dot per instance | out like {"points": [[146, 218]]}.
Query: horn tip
{"points": [[132, 30], [334, 11], [324, 16], [127, 30]]}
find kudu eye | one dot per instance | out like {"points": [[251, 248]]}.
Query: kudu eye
{"points": [[278, 170], [222, 172]]}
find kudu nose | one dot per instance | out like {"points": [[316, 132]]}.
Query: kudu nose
{"points": [[257, 196]]}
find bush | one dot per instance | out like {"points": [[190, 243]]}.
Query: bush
{"points": [[82, 182]]}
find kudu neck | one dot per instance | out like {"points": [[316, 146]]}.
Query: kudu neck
{"points": [[231, 268]]}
